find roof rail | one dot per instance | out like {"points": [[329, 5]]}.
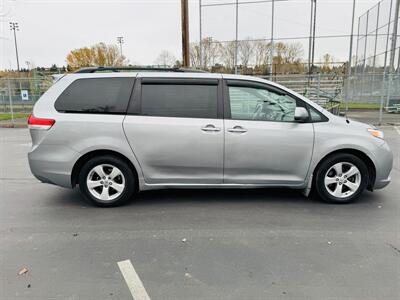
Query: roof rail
{"points": [[141, 69]]}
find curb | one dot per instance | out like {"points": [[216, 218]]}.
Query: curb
{"points": [[11, 125]]}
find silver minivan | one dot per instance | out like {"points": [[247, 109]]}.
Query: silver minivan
{"points": [[117, 133]]}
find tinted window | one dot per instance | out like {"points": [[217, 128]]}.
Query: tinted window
{"points": [[316, 116], [184, 100], [96, 95], [247, 103]]}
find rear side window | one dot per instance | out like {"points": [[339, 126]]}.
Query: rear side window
{"points": [[96, 95], [179, 100]]}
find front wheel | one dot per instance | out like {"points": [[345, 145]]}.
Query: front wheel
{"points": [[341, 178], [106, 181]]}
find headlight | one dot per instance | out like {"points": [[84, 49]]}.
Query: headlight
{"points": [[376, 133]]}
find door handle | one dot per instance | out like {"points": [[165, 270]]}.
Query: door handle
{"points": [[210, 128], [237, 129]]}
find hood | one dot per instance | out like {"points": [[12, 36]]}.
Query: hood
{"points": [[350, 122]]}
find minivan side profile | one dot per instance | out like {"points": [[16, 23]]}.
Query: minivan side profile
{"points": [[115, 134]]}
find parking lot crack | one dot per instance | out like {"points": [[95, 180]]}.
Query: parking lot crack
{"points": [[394, 248]]}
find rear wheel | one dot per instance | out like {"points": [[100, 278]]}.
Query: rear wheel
{"points": [[107, 181], [341, 178]]}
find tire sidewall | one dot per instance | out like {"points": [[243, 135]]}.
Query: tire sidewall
{"points": [[122, 166], [328, 163]]}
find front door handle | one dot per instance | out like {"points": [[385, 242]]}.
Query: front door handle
{"points": [[210, 128], [237, 129]]}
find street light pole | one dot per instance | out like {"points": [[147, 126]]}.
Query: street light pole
{"points": [[14, 27], [120, 41]]}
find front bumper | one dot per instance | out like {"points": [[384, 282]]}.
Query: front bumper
{"points": [[383, 165]]}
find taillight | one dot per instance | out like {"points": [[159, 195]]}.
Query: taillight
{"points": [[38, 123]]}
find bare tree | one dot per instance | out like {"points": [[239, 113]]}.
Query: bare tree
{"points": [[227, 52], [194, 55], [165, 59], [210, 51], [294, 52], [246, 50], [262, 51]]}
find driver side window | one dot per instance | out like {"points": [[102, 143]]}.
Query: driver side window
{"points": [[248, 103]]}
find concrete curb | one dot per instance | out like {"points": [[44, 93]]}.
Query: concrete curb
{"points": [[15, 125]]}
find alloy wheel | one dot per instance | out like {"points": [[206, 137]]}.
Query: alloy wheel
{"points": [[105, 182], [342, 180]]}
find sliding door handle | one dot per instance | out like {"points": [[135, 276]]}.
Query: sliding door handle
{"points": [[237, 129], [210, 128]]}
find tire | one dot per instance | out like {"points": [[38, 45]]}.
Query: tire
{"points": [[333, 181], [107, 181]]}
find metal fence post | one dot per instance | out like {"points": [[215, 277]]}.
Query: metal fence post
{"points": [[236, 36], [271, 66], [318, 85], [382, 98], [200, 40], [11, 104], [389, 89], [394, 37], [350, 58]]}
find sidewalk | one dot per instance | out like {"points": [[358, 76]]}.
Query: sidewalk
{"points": [[372, 117]]}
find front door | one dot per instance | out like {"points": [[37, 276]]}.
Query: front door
{"points": [[263, 142]]}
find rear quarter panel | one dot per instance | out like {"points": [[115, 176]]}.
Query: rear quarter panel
{"points": [[82, 133]]}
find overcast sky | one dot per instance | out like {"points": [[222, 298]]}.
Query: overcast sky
{"points": [[49, 29]]}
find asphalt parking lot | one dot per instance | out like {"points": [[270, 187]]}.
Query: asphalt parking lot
{"points": [[194, 244]]}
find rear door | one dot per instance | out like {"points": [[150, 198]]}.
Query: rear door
{"points": [[175, 129], [263, 142]]}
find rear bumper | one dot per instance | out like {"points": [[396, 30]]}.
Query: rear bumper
{"points": [[52, 164]]}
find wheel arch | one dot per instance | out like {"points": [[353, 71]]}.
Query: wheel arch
{"points": [[358, 153], [87, 156]]}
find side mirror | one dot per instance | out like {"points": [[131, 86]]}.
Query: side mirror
{"points": [[301, 114]]}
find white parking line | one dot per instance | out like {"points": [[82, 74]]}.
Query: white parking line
{"points": [[397, 129], [133, 281]]}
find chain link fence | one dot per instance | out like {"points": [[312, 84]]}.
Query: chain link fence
{"points": [[18, 95], [377, 95]]}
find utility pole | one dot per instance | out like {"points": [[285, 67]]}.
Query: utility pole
{"points": [[185, 33], [120, 41], [14, 27]]}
